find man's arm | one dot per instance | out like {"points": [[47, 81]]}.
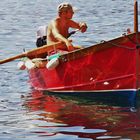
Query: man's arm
{"points": [[81, 26], [57, 35]]}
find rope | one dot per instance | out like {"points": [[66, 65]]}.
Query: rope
{"points": [[126, 47], [54, 47], [129, 38]]}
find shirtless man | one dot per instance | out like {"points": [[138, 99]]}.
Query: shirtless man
{"points": [[58, 28]]}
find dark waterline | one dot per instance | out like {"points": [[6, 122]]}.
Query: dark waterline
{"points": [[26, 114]]}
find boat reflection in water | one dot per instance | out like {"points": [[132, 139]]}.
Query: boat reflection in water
{"points": [[76, 118]]}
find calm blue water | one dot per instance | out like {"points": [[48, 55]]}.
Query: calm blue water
{"points": [[26, 114]]}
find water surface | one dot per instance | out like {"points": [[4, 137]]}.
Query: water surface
{"points": [[26, 114]]}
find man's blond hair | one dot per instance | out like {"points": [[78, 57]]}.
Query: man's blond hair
{"points": [[64, 7]]}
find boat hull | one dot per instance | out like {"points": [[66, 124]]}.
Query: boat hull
{"points": [[108, 66], [121, 98]]}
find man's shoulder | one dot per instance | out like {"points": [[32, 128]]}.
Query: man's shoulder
{"points": [[51, 22], [56, 20]]}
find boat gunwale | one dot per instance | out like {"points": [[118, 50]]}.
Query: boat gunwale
{"points": [[103, 45]]}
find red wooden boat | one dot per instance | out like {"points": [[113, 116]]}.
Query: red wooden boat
{"points": [[108, 66]]}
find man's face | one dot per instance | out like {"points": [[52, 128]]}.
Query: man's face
{"points": [[69, 13]]}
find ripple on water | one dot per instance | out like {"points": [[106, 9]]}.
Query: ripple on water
{"points": [[19, 21]]}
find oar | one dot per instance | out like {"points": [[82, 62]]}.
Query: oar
{"points": [[12, 58], [73, 32], [38, 51], [35, 52]]}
